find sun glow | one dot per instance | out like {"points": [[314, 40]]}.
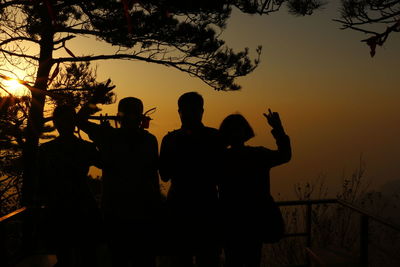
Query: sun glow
{"points": [[14, 87]]}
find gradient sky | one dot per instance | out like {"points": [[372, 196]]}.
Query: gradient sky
{"points": [[336, 102]]}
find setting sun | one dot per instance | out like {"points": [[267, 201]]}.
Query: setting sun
{"points": [[14, 87]]}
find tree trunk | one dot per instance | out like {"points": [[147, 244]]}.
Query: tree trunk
{"points": [[35, 118]]}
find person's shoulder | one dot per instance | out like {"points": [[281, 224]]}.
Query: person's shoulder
{"points": [[48, 144], [149, 135], [261, 148], [84, 143], [173, 133], [258, 149], [51, 147], [172, 136], [212, 134], [211, 130], [101, 130]]}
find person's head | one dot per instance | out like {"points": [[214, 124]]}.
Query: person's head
{"points": [[191, 108], [130, 111], [64, 119], [235, 130]]}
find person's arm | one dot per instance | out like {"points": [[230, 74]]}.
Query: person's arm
{"points": [[166, 159], [91, 107], [153, 146], [94, 156], [284, 152], [83, 115], [41, 182]]}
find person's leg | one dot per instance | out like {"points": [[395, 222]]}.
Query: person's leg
{"points": [[88, 254], [66, 257], [207, 252], [143, 255], [180, 243], [233, 255], [66, 249], [181, 260], [208, 259], [118, 242], [92, 243], [144, 260], [253, 252], [119, 253]]}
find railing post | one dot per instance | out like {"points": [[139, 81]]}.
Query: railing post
{"points": [[364, 240], [3, 247], [308, 224], [308, 231]]}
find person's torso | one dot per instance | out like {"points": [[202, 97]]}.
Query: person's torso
{"points": [[65, 167], [245, 182], [130, 178], [196, 157]]}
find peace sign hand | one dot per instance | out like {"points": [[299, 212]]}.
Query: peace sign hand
{"points": [[274, 120]]}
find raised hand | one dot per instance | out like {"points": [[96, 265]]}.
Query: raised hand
{"points": [[274, 120]]}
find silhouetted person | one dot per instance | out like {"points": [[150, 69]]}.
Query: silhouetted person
{"points": [[189, 159], [245, 187], [73, 220], [131, 193]]}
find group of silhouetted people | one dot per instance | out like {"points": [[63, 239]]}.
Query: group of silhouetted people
{"points": [[219, 188]]}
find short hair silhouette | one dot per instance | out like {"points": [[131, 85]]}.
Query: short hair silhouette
{"points": [[236, 126], [64, 118], [130, 105], [62, 111], [190, 100]]}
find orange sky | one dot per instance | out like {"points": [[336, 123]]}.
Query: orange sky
{"points": [[336, 102]]}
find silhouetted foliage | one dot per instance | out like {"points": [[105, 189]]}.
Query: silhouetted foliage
{"points": [[175, 34], [376, 18], [13, 121], [179, 34], [75, 84], [13, 115], [185, 35]]}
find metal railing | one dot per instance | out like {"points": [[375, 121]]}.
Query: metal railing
{"points": [[365, 218], [3, 233], [12, 214]]}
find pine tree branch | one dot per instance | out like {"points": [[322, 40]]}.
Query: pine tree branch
{"points": [[347, 25], [18, 55], [15, 3], [20, 38], [62, 40], [120, 56], [79, 31]]}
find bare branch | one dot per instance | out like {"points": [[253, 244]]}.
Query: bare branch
{"points": [[15, 3], [365, 16], [63, 40], [19, 38], [18, 55], [348, 26], [79, 31]]}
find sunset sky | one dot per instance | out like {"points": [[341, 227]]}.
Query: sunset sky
{"points": [[336, 102]]}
